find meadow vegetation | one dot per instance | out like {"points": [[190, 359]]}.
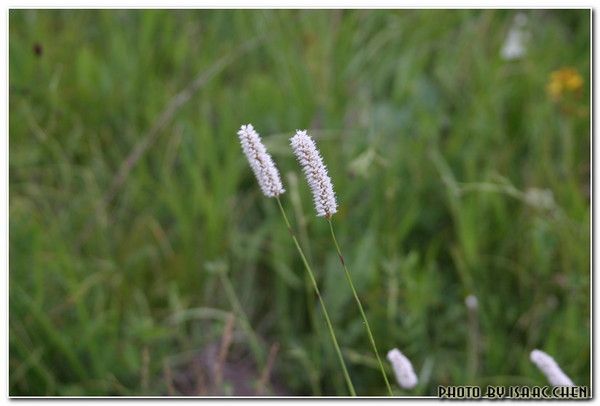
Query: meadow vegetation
{"points": [[137, 227]]}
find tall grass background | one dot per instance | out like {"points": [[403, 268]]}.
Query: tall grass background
{"points": [[438, 148]]}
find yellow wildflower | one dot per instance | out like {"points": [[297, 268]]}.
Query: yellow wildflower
{"points": [[562, 81]]}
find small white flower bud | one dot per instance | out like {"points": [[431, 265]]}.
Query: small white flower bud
{"points": [[405, 375], [260, 161], [471, 302]]}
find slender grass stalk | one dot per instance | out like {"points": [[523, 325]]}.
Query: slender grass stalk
{"points": [[309, 291], [317, 291], [473, 325], [270, 184], [320, 184], [362, 312]]}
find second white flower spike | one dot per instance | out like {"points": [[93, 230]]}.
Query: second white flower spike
{"points": [[316, 174], [550, 368], [405, 375]]}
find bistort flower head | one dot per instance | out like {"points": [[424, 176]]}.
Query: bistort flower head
{"points": [[405, 375], [260, 161], [316, 173], [471, 302], [515, 45], [550, 368]]}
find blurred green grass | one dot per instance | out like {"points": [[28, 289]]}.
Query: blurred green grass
{"points": [[439, 152]]}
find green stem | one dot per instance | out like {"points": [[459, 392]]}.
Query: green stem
{"points": [[362, 312], [314, 282], [310, 293]]}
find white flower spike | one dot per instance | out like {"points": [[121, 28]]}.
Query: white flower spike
{"points": [[316, 174], [515, 45], [550, 368], [260, 161], [405, 375]]}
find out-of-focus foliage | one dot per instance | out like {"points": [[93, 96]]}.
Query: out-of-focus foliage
{"points": [[458, 172]]}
